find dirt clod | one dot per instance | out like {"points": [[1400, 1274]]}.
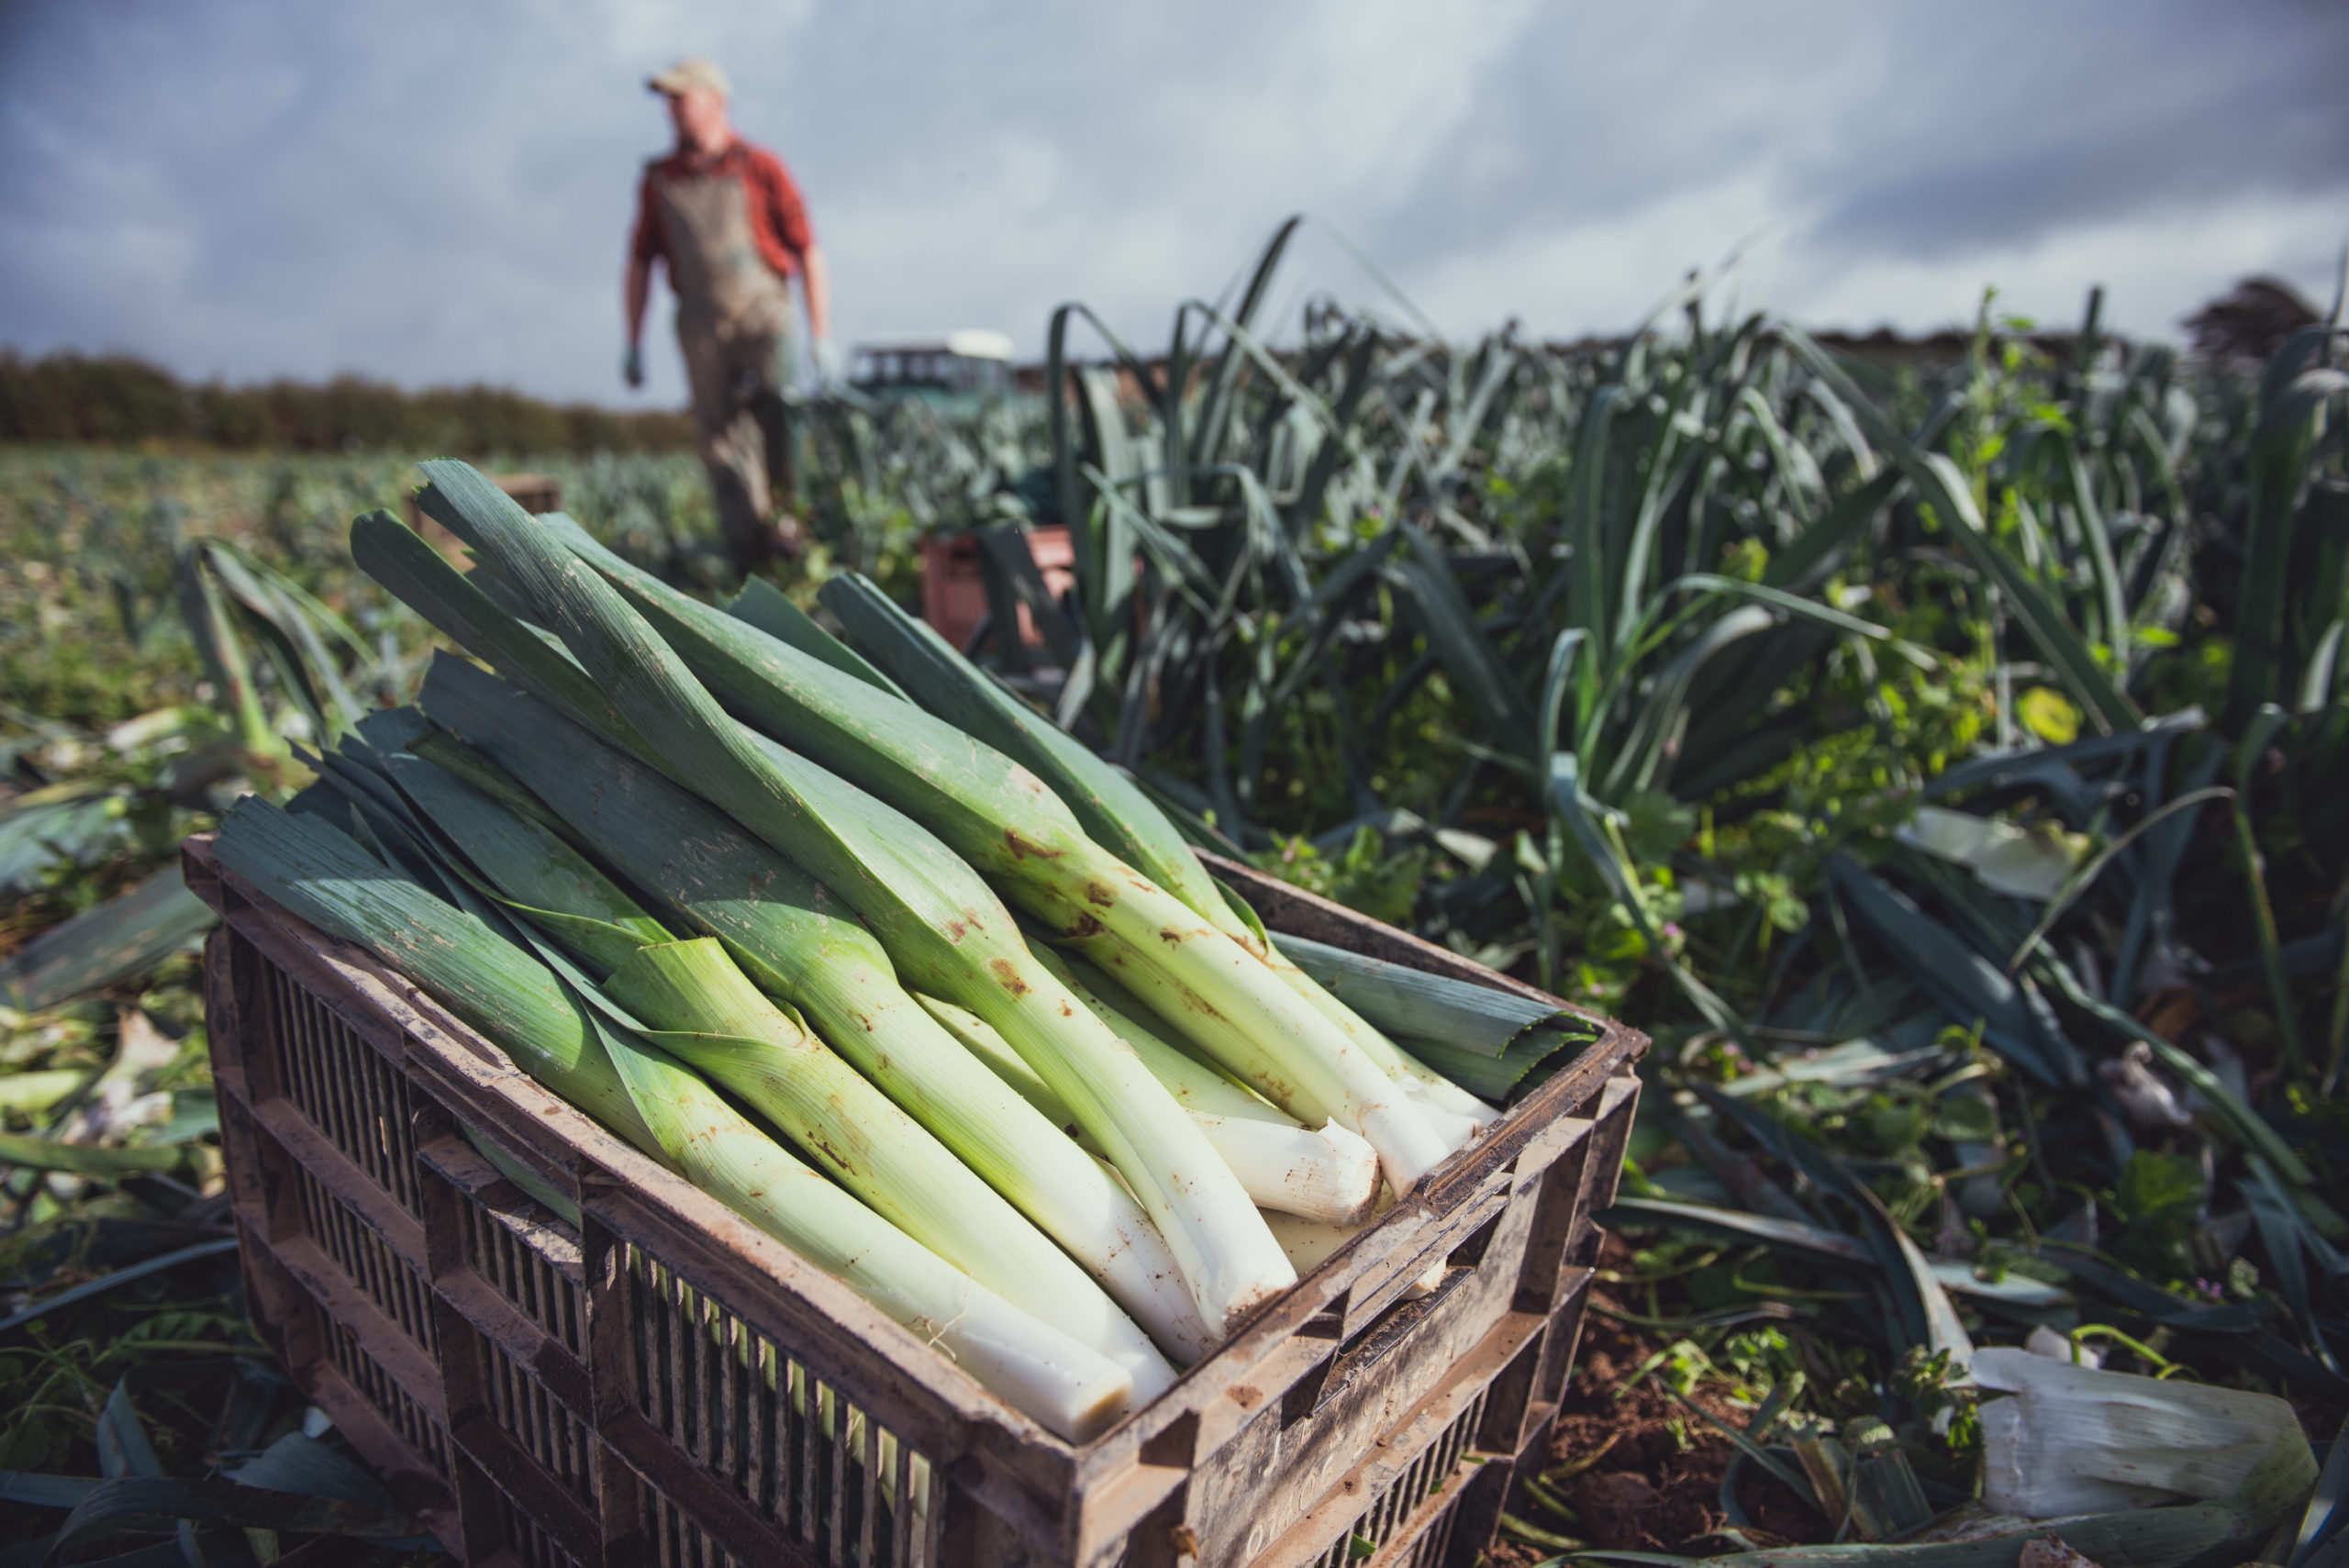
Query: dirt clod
{"points": [[1615, 1505]]}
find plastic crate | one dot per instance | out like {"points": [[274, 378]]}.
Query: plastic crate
{"points": [[657, 1381], [955, 595]]}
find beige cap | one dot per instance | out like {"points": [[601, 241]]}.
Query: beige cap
{"points": [[694, 74]]}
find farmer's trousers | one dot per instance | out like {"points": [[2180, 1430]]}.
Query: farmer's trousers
{"points": [[744, 430]]}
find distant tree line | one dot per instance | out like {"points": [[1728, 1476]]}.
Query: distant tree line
{"points": [[116, 398]]}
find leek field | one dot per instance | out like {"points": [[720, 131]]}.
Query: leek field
{"points": [[1940, 755]]}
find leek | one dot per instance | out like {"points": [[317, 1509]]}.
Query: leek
{"points": [[2077, 1439], [939, 922], [1116, 813], [984, 806], [666, 1110], [994, 1053], [710, 1016], [795, 942], [1330, 1175]]}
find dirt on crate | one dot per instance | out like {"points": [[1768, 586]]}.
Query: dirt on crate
{"points": [[1642, 1473]]}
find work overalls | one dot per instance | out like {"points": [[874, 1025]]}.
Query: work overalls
{"points": [[734, 326]]}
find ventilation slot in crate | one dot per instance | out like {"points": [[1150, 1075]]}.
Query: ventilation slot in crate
{"points": [[550, 1434], [1434, 1544], [368, 1261], [534, 1273], [1403, 1495], [792, 1447], [344, 1087], [406, 1419], [531, 1546], [678, 1541]]}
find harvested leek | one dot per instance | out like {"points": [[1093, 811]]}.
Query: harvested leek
{"points": [[710, 1016], [982, 806], [939, 922], [1326, 1174], [699, 1007], [925, 667], [797, 943], [1330, 1175], [2077, 1439], [777, 791], [666, 1110]]}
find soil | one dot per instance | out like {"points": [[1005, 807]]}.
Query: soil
{"points": [[1646, 1473], [1642, 1473]]}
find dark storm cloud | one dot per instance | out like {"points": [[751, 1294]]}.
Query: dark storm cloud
{"points": [[1912, 131], [250, 190], [2036, 125], [437, 192]]}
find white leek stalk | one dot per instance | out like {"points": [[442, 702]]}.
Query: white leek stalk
{"points": [[1069, 1385], [1229, 1003], [2077, 1439], [708, 1016], [1326, 1174], [1329, 1175]]}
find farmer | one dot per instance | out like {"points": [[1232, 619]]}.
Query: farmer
{"points": [[726, 218]]}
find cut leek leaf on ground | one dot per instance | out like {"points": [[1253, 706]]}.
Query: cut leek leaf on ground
{"points": [[2075, 1440], [126, 934]]}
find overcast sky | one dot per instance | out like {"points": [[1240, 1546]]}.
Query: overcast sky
{"points": [[437, 192]]}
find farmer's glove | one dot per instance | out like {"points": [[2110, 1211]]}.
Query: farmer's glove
{"points": [[829, 360], [633, 365]]}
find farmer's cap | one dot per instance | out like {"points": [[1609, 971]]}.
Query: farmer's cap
{"points": [[694, 74]]}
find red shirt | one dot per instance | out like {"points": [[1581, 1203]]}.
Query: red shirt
{"points": [[778, 218]]}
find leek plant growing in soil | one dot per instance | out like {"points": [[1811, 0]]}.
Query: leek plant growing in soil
{"points": [[1933, 758]]}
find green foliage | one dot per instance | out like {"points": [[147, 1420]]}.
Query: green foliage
{"points": [[1630, 668], [69, 398], [1361, 876], [1642, 660], [2158, 1199]]}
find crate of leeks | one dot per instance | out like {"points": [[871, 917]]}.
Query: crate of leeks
{"points": [[652, 1134]]}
